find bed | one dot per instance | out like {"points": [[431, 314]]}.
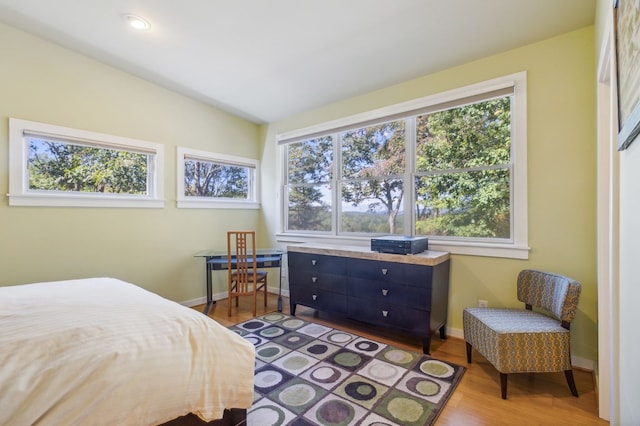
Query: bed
{"points": [[103, 351]]}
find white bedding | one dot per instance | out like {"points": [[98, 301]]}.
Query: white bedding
{"points": [[103, 351]]}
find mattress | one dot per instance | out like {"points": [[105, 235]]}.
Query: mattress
{"points": [[103, 351]]}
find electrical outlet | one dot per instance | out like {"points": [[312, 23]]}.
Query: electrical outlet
{"points": [[483, 303]]}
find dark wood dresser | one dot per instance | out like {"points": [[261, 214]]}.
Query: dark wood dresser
{"points": [[404, 292]]}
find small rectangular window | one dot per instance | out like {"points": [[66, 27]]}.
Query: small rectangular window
{"points": [[58, 166], [210, 180]]}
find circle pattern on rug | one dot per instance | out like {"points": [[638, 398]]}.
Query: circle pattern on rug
{"points": [[314, 329], [362, 391], [253, 325], [325, 374], [339, 337], [398, 356], [367, 346], [272, 332], [318, 349], [293, 323], [348, 359], [335, 412], [295, 363], [255, 340], [436, 368], [297, 395], [269, 415], [405, 409], [424, 387], [381, 371], [273, 317], [269, 351], [267, 378]]}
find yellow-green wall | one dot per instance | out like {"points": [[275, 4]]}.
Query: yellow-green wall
{"points": [[153, 248], [561, 171]]}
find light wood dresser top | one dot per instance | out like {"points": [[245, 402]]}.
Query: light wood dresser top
{"points": [[428, 258]]}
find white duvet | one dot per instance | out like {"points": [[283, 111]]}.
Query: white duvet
{"points": [[102, 351]]}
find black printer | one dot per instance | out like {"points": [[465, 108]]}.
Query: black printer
{"points": [[398, 244]]}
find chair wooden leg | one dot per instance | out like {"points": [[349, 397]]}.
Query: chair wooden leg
{"points": [[503, 385], [572, 384], [255, 300], [469, 349]]}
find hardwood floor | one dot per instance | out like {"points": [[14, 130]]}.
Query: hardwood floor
{"points": [[533, 399]]}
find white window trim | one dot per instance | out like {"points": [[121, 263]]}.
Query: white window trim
{"points": [[518, 246], [20, 195], [185, 202]]}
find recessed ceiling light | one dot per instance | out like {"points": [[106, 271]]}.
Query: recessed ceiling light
{"points": [[137, 22]]}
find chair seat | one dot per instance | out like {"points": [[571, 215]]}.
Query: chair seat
{"points": [[518, 340], [260, 274], [516, 321]]}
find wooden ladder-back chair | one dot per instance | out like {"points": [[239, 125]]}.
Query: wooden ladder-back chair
{"points": [[244, 279], [523, 340]]}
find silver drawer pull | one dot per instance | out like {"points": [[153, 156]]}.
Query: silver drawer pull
{"points": [[385, 291], [314, 297], [384, 271], [313, 262], [314, 279], [385, 313]]}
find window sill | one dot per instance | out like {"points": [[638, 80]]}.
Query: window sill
{"points": [[62, 200], [510, 251], [217, 204]]}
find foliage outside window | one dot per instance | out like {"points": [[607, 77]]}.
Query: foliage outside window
{"points": [[462, 179], [63, 166], [310, 173], [372, 184], [210, 180], [444, 169], [58, 166]]}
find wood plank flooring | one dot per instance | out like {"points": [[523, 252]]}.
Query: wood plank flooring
{"points": [[533, 399]]}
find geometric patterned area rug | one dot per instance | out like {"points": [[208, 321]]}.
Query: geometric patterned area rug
{"points": [[310, 374]]}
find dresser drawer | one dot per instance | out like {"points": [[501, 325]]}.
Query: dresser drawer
{"points": [[407, 319], [331, 282], [320, 299], [317, 263], [391, 272], [381, 292]]}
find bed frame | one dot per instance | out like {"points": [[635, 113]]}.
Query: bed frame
{"points": [[232, 417]]}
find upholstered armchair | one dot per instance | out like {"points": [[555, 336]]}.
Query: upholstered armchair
{"points": [[523, 340]]}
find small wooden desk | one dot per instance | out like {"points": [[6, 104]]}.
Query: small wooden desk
{"points": [[217, 261]]}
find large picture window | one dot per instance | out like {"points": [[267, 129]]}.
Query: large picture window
{"points": [[59, 166], [451, 167]]}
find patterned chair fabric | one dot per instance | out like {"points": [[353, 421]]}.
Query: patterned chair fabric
{"points": [[554, 293], [521, 340]]}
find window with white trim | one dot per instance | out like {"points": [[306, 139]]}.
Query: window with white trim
{"points": [[211, 180], [451, 167], [59, 166]]}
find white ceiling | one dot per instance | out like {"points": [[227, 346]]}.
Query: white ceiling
{"points": [[265, 60]]}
